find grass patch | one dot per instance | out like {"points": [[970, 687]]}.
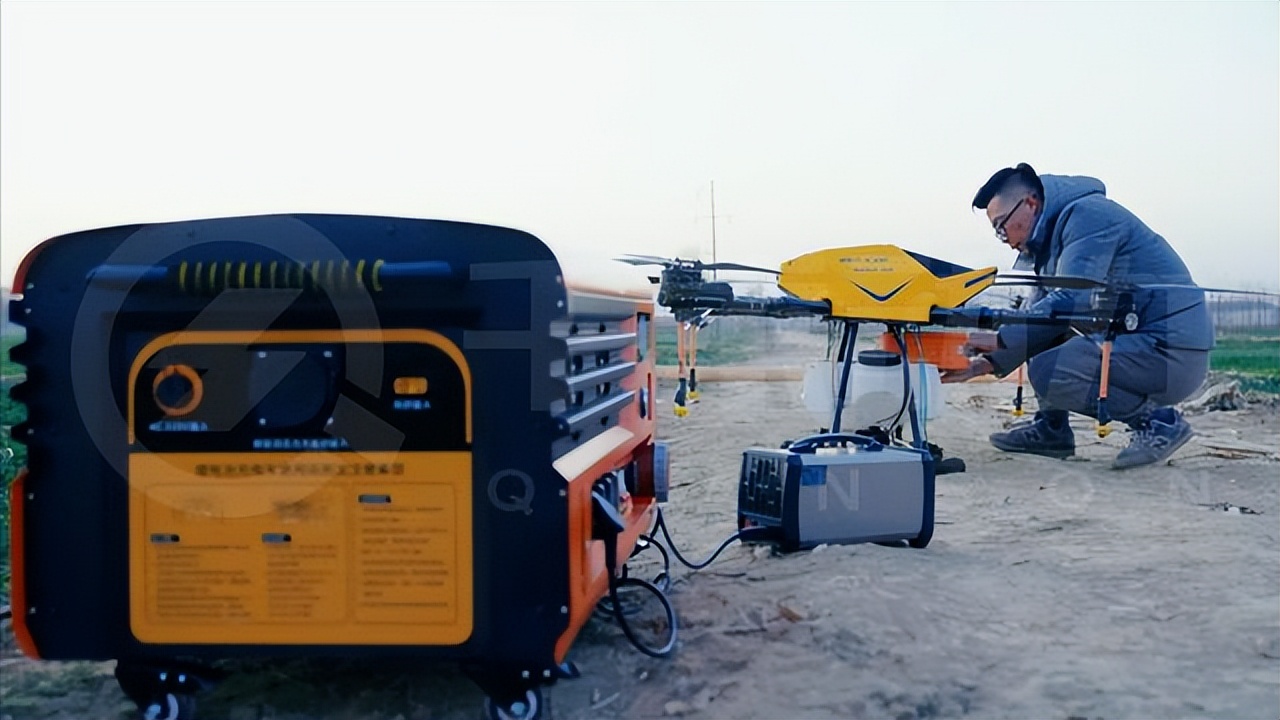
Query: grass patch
{"points": [[1251, 355], [718, 344], [1253, 360]]}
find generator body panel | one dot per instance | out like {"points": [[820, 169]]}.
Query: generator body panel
{"points": [[322, 435]]}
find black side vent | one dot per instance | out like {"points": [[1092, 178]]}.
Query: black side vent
{"points": [[598, 357], [760, 487]]}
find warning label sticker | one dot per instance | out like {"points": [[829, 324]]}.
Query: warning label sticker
{"points": [[330, 554]]}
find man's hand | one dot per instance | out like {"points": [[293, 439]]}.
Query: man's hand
{"points": [[978, 367]]}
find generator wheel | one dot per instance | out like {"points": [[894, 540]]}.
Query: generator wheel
{"points": [[529, 708], [170, 706]]}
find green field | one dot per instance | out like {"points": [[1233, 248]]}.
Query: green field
{"points": [[722, 345], [1253, 358]]}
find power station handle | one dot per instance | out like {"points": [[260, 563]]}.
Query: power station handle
{"points": [[212, 276], [813, 442]]}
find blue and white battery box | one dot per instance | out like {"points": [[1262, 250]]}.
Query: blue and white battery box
{"points": [[838, 489]]}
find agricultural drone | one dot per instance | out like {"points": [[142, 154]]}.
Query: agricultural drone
{"points": [[905, 291]]}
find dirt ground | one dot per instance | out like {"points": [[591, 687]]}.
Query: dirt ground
{"points": [[1051, 589]]}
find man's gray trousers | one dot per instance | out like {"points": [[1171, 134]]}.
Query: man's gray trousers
{"points": [[1144, 376]]}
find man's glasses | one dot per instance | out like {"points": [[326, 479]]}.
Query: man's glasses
{"points": [[999, 226]]}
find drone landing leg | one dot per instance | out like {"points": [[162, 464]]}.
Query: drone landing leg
{"points": [[1017, 396], [942, 465], [682, 389], [846, 364], [693, 362], [1104, 417]]}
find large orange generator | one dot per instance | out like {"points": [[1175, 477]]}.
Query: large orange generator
{"points": [[323, 435]]}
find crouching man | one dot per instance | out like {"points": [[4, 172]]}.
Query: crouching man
{"points": [[1067, 226]]}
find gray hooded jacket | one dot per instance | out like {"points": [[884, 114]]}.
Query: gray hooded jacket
{"points": [[1083, 233]]}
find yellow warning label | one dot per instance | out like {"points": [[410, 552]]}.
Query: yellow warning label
{"points": [[405, 556], [314, 548]]}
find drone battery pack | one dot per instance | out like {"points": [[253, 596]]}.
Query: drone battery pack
{"points": [[838, 489]]}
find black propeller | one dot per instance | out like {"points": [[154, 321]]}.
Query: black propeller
{"points": [[1067, 282], [1174, 286], [692, 265], [1072, 282]]}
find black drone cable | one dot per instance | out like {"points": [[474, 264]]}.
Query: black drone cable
{"points": [[615, 603], [620, 613], [744, 534], [662, 581], [670, 611], [906, 379]]}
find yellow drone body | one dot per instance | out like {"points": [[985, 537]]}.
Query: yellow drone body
{"points": [[881, 282]]}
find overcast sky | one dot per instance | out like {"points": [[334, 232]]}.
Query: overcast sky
{"points": [[599, 126]]}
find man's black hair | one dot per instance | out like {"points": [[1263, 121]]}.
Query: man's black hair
{"points": [[1022, 177]]}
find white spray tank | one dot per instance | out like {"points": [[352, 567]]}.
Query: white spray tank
{"points": [[874, 394]]}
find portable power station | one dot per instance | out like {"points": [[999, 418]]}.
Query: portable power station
{"points": [[323, 435], [838, 488]]}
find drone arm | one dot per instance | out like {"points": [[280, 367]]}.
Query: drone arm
{"points": [[1020, 335], [781, 307], [778, 307], [985, 318], [1047, 323]]}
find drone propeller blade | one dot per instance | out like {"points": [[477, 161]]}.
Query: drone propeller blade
{"points": [[737, 266], [1175, 286], [693, 265], [1067, 282], [644, 260], [1048, 283], [1071, 282]]}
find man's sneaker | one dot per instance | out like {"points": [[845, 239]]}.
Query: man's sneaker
{"points": [[1155, 439], [1039, 437]]}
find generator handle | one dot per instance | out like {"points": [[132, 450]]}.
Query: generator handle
{"points": [[813, 442]]}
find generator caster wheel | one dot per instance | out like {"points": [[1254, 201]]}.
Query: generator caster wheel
{"points": [[528, 707], [163, 692], [173, 706]]}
